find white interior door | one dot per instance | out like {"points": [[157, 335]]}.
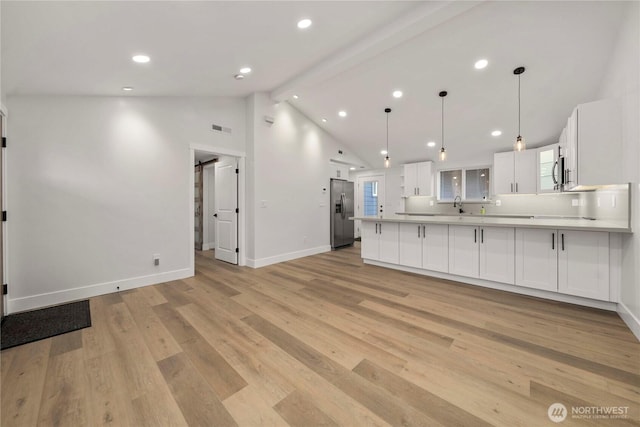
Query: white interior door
{"points": [[226, 203]]}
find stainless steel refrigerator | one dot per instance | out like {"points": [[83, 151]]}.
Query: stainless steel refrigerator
{"points": [[341, 210]]}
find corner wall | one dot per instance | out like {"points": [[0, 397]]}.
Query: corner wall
{"points": [[622, 81], [97, 185], [291, 169]]}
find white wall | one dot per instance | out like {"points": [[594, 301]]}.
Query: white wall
{"points": [[623, 81], [290, 161], [97, 185]]}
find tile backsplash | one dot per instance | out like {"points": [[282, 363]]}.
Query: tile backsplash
{"points": [[608, 202]]}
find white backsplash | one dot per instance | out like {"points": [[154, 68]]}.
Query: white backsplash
{"points": [[609, 202]]}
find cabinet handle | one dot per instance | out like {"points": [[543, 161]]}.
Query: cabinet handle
{"points": [[516, 187], [482, 235], [563, 241], [418, 232], [380, 229], [512, 187], [423, 232], [475, 235], [553, 241]]}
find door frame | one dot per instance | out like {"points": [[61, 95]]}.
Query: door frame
{"points": [[242, 239], [358, 195]]}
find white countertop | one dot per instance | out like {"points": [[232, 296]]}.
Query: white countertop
{"points": [[547, 222]]}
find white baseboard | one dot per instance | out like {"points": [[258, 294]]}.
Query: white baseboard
{"points": [[66, 295], [630, 319], [604, 305], [262, 262]]}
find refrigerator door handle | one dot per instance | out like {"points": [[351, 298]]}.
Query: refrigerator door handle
{"points": [[343, 212]]}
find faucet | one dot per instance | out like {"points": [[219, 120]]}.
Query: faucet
{"points": [[458, 204]]}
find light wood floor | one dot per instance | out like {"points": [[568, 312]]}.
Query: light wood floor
{"points": [[322, 341]]}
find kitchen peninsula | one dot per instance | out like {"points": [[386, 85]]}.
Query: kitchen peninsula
{"points": [[571, 259]]}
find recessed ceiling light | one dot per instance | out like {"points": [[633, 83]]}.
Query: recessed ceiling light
{"points": [[480, 64], [127, 88], [342, 113], [455, 177], [245, 70], [431, 144], [141, 59], [239, 76], [295, 97], [352, 168], [496, 133], [304, 23], [397, 94], [383, 152], [324, 120]]}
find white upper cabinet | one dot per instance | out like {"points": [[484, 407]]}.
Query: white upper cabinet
{"points": [[515, 172], [418, 179], [547, 169], [594, 144]]}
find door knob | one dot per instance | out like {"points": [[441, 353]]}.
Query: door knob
{"points": [[216, 215]]}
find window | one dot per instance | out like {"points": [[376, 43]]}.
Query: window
{"points": [[468, 184], [476, 184], [370, 198]]}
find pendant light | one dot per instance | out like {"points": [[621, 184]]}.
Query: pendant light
{"points": [[443, 151], [519, 145], [386, 159]]}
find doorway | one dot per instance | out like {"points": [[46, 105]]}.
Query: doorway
{"points": [[217, 190], [370, 198]]}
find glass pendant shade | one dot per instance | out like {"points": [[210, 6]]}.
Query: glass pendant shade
{"points": [[443, 154], [386, 162], [519, 145]]}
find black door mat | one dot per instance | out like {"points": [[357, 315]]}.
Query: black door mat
{"points": [[23, 328]]}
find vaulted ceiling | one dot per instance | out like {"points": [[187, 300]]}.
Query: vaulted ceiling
{"points": [[352, 58]]}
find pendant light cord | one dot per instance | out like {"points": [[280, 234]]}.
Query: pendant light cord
{"points": [[519, 105], [442, 124]]}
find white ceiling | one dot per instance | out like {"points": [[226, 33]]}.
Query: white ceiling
{"points": [[353, 57]]}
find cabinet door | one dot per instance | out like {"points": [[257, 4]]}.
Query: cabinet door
{"points": [[583, 264], [497, 249], [571, 151], [423, 172], [546, 168], [503, 173], [463, 250], [410, 245], [537, 258], [410, 180], [525, 171], [388, 237], [435, 247], [369, 245]]}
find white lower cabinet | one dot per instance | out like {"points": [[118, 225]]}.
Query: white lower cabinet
{"points": [[497, 248], [566, 261], [464, 252], [537, 258], [583, 264], [424, 246], [380, 241]]}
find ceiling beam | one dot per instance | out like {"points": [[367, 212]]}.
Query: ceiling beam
{"points": [[416, 21]]}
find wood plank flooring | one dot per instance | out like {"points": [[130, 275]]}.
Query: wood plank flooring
{"points": [[323, 341]]}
